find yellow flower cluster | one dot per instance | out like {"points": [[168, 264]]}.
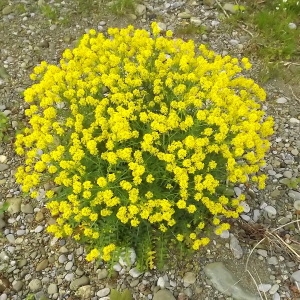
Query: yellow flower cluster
{"points": [[137, 128]]}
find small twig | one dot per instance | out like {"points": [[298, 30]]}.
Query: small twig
{"points": [[289, 63], [298, 101], [224, 11], [246, 30]]}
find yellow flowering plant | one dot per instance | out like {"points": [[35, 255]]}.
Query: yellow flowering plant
{"points": [[143, 134]]}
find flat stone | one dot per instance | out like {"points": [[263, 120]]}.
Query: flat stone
{"points": [[52, 288], [294, 121], [161, 282], [101, 273], [264, 287], [189, 278], [163, 295], [35, 285], [84, 292], [7, 10], [271, 211], [288, 174], [140, 9], [275, 194], [42, 265], [262, 252], [27, 208], [294, 194], [296, 276], [135, 273], [103, 292], [75, 284], [3, 167], [281, 100], [245, 206], [225, 282], [127, 258], [274, 289], [229, 7], [196, 21], [14, 205], [17, 285], [69, 266], [184, 15], [297, 204], [11, 238], [235, 247], [273, 260]]}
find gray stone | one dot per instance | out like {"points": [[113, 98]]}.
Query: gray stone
{"points": [[103, 292], [161, 282], [262, 252], [288, 174], [134, 282], [7, 10], [75, 284], [140, 9], [297, 204], [163, 295], [296, 276], [14, 205], [189, 278], [35, 285], [209, 3], [135, 273], [62, 259], [127, 258], [271, 211], [3, 73], [292, 26], [69, 266], [295, 195], [84, 292], [264, 287], [52, 288], [162, 26], [225, 282], [27, 208], [274, 289], [235, 247], [17, 285], [273, 260], [281, 100], [42, 265], [196, 21], [11, 239], [102, 273], [3, 296], [294, 121], [276, 296], [275, 194], [3, 167], [229, 7], [184, 15]]}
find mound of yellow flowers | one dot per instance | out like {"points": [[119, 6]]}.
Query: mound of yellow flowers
{"points": [[143, 134]]}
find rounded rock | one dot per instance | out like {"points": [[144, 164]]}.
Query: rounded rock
{"points": [[103, 292], [52, 289], [35, 285]]}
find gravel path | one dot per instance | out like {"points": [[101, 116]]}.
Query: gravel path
{"points": [[34, 264]]}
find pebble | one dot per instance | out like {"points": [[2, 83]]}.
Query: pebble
{"points": [[14, 205], [272, 260], [84, 292], [294, 194], [103, 292], [288, 174], [161, 282], [195, 21], [294, 121], [274, 289], [69, 266], [127, 258], [271, 211], [101, 273], [27, 208], [11, 239], [229, 7], [245, 206], [264, 287], [42, 265], [62, 259], [296, 276], [225, 282], [189, 278], [35, 285], [262, 252], [52, 288], [17, 285], [3, 167], [75, 284], [235, 247], [184, 15], [140, 9], [292, 26], [38, 229], [163, 295], [297, 204], [134, 272], [276, 296], [281, 100]]}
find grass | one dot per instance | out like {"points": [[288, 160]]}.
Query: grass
{"points": [[187, 29], [121, 7], [273, 40]]}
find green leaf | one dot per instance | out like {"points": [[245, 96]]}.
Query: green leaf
{"points": [[126, 295]]}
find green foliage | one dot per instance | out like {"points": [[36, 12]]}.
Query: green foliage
{"points": [[293, 183], [116, 295], [49, 12], [3, 126], [190, 29], [4, 207], [120, 7]]}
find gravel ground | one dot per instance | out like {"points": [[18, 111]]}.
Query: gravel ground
{"points": [[34, 264]]}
